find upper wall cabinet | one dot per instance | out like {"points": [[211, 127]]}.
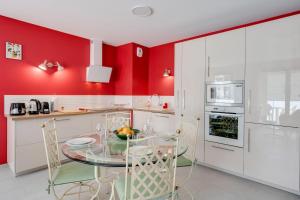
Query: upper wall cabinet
{"points": [[225, 56], [189, 77], [273, 72]]}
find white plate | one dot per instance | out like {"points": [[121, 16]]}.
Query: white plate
{"points": [[81, 141], [140, 150]]}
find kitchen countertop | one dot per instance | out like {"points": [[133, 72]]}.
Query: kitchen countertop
{"points": [[88, 111]]}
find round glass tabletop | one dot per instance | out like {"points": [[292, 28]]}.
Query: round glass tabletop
{"points": [[111, 153]]}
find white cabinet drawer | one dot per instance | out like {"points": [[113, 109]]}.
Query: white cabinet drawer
{"points": [[163, 123], [98, 119], [29, 131], [140, 118], [72, 126], [223, 156]]}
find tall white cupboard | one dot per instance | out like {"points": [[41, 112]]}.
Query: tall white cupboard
{"points": [[189, 91]]}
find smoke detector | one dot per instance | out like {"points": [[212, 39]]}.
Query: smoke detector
{"points": [[142, 11]]}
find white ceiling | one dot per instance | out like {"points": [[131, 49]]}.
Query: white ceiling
{"points": [[112, 21]]}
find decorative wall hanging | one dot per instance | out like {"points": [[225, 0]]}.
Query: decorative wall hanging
{"points": [[13, 51]]}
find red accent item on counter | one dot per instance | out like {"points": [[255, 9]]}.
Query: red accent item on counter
{"points": [[165, 106]]}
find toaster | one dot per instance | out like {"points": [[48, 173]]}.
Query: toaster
{"points": [[17, 109]]}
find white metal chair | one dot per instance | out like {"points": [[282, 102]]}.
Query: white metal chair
{"points": [[116, 120], [150, 170], [61, 174], [187, 134]]}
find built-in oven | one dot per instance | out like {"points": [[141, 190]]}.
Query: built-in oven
{"points": [[225, 125], [229, 93]]}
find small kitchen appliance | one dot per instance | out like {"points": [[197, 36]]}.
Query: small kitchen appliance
{"points": [[34, 107], [45, 108], [229, 93], [17, 109]]}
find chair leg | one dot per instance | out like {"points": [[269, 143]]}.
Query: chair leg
{"points": [[55, 195], [79, 193], [186, 190], [112, 195], [96, 171]]}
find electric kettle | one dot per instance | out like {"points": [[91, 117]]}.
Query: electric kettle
{"points": [[34, 107]]}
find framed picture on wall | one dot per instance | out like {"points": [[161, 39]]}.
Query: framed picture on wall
{"points": [[13, 51]]}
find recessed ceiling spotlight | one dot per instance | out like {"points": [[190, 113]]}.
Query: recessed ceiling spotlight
{"points": [[142, 11]]}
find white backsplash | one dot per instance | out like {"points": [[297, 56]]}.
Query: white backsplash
{"points": [[73, 102]]}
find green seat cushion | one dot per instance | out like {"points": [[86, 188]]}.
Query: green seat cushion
{"points": [[120, 187], [74, 172], [183, 162]]}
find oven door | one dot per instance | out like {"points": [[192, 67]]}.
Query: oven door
{"points": [[224, 128], [225, 93]]}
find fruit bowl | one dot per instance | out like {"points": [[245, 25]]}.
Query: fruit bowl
{"points": [[128, 133]]}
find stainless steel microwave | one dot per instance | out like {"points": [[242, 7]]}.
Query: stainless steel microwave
{"points": [[229, 93]]}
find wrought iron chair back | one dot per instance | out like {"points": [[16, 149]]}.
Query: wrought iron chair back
{"points": [[116, 120], [51, 147], [153, 169]]}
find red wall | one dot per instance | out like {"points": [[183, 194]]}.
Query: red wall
{"points": [[140, 71], [23, 77], [161, 57], [123, 73], [131, 74]]}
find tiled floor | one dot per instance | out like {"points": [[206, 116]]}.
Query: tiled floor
{"points": [[206, 184]]}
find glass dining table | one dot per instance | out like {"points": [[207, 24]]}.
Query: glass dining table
{"points": [[103, 154]]}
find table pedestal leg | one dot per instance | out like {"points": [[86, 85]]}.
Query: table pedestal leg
{"points": [[97, 176]]}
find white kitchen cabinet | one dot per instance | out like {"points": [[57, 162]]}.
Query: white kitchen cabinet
{"points": [[163, 123], [73, 126], [140, 118], [225, 56], [25, 151], [189, 89], [272, 154], [273, 72], [224, 157], [98, 118]]}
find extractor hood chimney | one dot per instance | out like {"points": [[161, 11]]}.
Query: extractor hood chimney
{"points": [[96, 72]]}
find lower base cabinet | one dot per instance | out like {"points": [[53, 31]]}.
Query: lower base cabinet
{"points": [[158, 122], [226, 157], [26, 151], [272, 155]]}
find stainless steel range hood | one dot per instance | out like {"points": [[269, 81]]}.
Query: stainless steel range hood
{"points": [[95, 72]]}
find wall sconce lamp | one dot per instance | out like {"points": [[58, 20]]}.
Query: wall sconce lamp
{"points": [[167, 73], [45, 65]]}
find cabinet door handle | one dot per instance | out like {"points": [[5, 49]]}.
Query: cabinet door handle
{"points": [[60, 120], [178, 99], [249, 136], [216, 147], [208, 66], [183, 100], [249, 101], [164, 116]]}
